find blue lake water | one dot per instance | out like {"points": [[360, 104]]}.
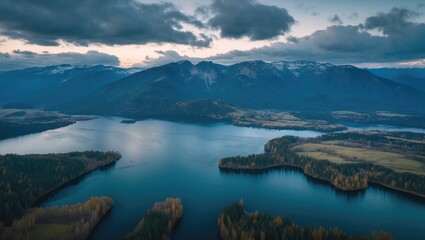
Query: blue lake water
{"points": [[166, 159]]}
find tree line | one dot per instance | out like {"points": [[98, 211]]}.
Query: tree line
{"points": [[347, 177], [235, 223], [78, 220], [26, 178], [158, 222]]}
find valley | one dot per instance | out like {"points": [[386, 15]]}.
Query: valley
{"points": [[265, 119], [208, 91], [260, 100]]}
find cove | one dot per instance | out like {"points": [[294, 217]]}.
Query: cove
{"points": [[166, 159]]}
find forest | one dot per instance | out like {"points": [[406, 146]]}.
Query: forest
{"points": [[24, 179], [348, 177], [235, 223], [159, 221], [68, 222]]}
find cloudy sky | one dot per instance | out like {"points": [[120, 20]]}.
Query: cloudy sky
{"points": [[144, 33]]}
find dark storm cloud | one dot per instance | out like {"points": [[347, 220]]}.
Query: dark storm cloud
{"points": [[248, 18], [22, 59], [292, 39], [402, 40], [393, 22], [96, 21], [27, 53], [335, 19], [202, 11]]}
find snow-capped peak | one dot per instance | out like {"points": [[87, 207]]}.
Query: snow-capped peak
{"points": [[61, 69], [299, 67]]}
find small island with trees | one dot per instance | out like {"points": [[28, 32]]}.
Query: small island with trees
{"points": [[159, 221], [349, 161], [27, 179], [128, 121], [235, 223]]}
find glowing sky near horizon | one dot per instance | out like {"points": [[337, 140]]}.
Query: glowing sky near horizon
{"points": [[131, 33]]}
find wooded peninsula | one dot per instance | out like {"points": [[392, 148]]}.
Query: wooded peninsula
{"points": [[24, 179], [235, 223], [68, 222], [349, 161], [159, 221]]}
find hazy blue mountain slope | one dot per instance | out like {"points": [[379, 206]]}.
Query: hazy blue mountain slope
{"points": [[55, 85], [414, 77]]}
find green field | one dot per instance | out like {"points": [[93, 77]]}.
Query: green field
{"points": [[279, 120], [349, 160], [341, 151]]}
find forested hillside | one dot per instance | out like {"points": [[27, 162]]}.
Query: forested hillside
{"points": [[26, 178]]}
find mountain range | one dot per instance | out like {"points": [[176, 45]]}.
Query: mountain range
{"points": [[182, 87], [54, 86]]}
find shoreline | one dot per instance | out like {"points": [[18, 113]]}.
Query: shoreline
{"points": [[95, 228], [40, 128], [211, 120], [295, 128], [81, 218], [223, 120], [171, 209], [399, 190], [34, 128], [298, 168], [38, 201]]}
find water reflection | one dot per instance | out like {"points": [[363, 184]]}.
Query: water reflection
{"points": [[314, 182], [162, 159]]}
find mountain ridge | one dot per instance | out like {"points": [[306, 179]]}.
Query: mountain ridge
{"points": [[295, 86], [54, 85], [304, 86]]}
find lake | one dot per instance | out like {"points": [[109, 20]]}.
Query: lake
{"points": [[165, 159]]}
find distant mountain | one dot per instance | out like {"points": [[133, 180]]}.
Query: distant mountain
{"points": [[414, 77], [299, 86], [55, 85], [183, 89]]}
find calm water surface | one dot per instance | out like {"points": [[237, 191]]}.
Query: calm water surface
{"points": [[165, 159]]}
